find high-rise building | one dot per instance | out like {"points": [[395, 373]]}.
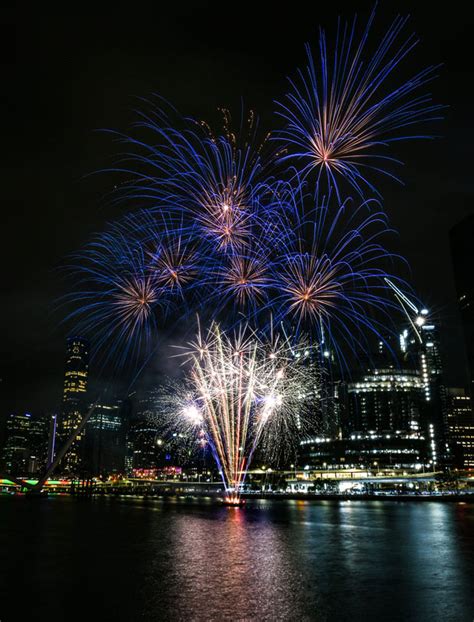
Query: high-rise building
{"points": [[398, 407], [326, 394], [76, 368], [15, 450], [144, 445], [38, 444], [25, 448], [461, 424], [386, 399], [146, 442], [152, 443], [383, 410], [105, 440], [462, 253], [372, 450], [421, 348], [73, 404]]}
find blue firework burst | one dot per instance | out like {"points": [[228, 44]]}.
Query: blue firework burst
{"points": [[128, 280], [329, 278], [216, 179], [345, 109]]}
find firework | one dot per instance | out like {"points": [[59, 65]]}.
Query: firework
{"points": [[216, 179], [343, 112], [174, 253], [328, 278], [224, 237], [322, 269], [244, 389], [243, 278], [126, 281]]}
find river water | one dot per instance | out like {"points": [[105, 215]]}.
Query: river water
{"points": [[175, 559]]}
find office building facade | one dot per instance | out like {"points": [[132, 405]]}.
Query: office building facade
{"points": [[26, 442], [104, 443], [74, 403], [462, 253], [461, 425]]}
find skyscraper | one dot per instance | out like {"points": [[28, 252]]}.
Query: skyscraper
{"points": [[105, 440], [25, 447], [386, 399], [76, 368], [398, 407], [145, 436], [462, 252], [73, 404], [423, 349], [151, 441], [38, 444], [15, 450], [461, 424], [420, 349]]}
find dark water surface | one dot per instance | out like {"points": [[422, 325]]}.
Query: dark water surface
{"points": [[133, 559]]}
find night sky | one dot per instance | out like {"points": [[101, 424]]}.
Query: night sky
{"points": [[70, 74]]}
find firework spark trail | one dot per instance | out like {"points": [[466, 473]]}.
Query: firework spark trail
{"points": [[341, 113], [328, 278], [244, 278], [215, 178], [129, 278], [115, 295], [174, 253], [243, 387]]}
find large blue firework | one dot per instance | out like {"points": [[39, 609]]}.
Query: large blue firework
{"points": [[346, 108], [329, 278], [216, 178], [128, 280]]}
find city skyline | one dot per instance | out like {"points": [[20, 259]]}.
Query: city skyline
{"points": [[237, 364], [396, 408]]}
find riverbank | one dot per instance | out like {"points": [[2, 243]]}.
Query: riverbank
{"points": [[274, 496]]}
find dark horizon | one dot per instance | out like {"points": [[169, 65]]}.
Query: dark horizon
{"points": [[72, 76]]}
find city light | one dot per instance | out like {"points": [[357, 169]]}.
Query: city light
{"points": [[238, 406]]}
